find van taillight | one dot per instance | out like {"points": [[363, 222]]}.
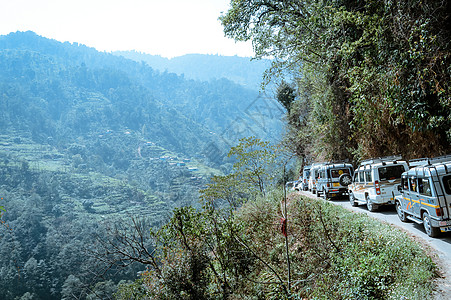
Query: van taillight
{"points": [[328, 185], [378, 188], [305, 180], [439, 211]]}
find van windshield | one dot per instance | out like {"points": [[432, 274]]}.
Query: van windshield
{"points": [[391, 172], [307, 173], [336, 173]]}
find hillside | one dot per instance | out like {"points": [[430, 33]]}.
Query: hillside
{"points": [[241, 70], [89, 139]]}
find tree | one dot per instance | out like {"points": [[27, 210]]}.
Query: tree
{"points": [[376, 72], [255, 165], [204, 253], [72, 288], [286, 96]]}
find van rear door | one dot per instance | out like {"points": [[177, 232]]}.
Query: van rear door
{"points": [[445, 199]]}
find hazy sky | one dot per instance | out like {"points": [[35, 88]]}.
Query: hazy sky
{"points": [[164, 27]]}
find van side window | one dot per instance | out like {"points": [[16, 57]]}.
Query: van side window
{"points": [[368, 175], [361, 177], [391, 172], [413, 184], [424, 187], [405, 183], [447, 184]]}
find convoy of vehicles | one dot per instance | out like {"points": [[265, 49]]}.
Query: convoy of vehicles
{"points": [[421, 194]]}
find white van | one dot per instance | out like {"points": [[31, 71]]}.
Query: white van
{"points": [[305, 178], [330, 183], [426, 195], [314, 173], [375, 182]]}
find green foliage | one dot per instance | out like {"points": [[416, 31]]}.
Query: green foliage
{"points": [[255, 165], [356, 257], [72, 288], [102, 290], [88, 137], [130, 290], [334, 253], [238, 251], [375, 74], [286, 96], [253, 172]]}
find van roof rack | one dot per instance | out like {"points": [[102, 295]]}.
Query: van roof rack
{"points": [[346, 161], [336, 164], [429, 161], [381, 159]]}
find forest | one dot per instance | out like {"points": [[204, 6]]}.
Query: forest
{"points": [[89, 139], [121, 181]]}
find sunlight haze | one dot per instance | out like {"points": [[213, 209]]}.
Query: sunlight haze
{"points": [[167, 28]]}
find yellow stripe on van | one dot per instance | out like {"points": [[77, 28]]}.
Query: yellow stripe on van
{"points": [[430, 205], [421, 202]]}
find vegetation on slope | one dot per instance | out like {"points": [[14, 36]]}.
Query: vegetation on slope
{"points": [[327, 253], [88, 139]]}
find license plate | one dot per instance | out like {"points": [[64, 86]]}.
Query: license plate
{"points": [[445, 229], [333, 195]]}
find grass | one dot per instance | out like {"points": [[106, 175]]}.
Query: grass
{"points": [[337, 254]]}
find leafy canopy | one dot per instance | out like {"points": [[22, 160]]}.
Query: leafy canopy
{"points": [[375, 74]]}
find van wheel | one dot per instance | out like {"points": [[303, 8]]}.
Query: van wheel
{"points": [[401, 214], [370, 205], [318, 194], [352, 200], [431, 231]]}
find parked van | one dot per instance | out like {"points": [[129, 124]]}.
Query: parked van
{"points": [[305, 178], [313, 177], [426, 195], [333, 180], [375, 182]]}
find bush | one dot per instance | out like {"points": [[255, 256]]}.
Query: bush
{"points": [[333, 254]]}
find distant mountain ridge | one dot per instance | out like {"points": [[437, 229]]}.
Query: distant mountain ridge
{"points": [[241, 70], [27, 58]]}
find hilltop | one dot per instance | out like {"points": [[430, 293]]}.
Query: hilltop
{"points": [[241, 70]]}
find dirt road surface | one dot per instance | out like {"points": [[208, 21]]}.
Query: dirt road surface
{"points": [[439, 248]]}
